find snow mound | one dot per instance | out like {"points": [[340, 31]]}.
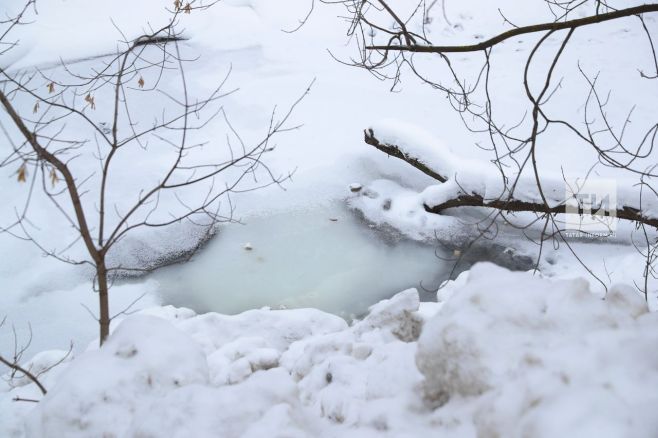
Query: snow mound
{"points": [[265, 405], [362, 378], [501, 355], [98, 395], [396, 315], [546, 358], [386, 203]]}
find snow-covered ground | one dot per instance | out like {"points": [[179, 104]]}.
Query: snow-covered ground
{"points": [[502, 354], [507, 354], [271, 68]]}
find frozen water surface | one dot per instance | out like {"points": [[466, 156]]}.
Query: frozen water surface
{"points": [[324, 257]]}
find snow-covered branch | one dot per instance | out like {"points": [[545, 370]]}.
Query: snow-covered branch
{"points": [[475, 189]]}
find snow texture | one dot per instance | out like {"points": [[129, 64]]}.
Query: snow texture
{"points": [[503, 354], [500, 355]]}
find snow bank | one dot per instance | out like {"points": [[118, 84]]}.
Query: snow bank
{"points": [[361, 380], [504, 354], [145, 359], [386, 203], [545, 358]]}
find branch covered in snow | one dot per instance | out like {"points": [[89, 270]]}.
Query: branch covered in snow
{"points": [[514, 92], [515, 205], [394, 150], [466, 193], [17, 368]]}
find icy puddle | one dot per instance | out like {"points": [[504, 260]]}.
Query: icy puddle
{"points": [[325, 258]]}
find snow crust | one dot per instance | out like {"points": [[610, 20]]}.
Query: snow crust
{"points": [[502, 354]]}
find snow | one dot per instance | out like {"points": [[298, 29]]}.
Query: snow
{"points": [[507, 354], [467, 176], [418, 144], [566, 366], [147, 357], [500, 354], [270, 71], [355, 187], [386, 202], [41, 363]]}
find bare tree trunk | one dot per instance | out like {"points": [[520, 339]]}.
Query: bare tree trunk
{"points": [[103, 301]]}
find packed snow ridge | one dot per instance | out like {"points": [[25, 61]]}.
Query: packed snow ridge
{"points": [[501, 354]]}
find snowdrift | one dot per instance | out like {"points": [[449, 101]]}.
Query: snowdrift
{"points": [[501, 354]]}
